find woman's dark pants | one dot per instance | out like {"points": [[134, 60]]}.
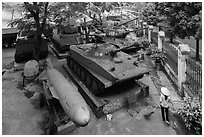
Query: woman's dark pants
{"points": [[165, 111]]}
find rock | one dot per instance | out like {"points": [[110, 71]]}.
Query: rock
{"points": [[33, 88], [35, 96]]}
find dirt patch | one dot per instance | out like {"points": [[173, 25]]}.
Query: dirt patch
{"points": [[8, 79], [28, 94], [157, 82], [20, 85]]}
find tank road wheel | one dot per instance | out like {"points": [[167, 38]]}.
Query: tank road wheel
{"points": [[68, 62], [88, 80], [78, 70], [75, 67], [140, 77], [94, 86], [83, 75], [71, 63]]}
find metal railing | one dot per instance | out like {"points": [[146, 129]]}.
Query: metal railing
{"points": [[193, 84], [172, 53], [172, 56], [194, 77]]}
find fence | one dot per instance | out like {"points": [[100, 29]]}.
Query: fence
{"points": [[172, 53], [193, 84], [194, 77], [172, 56]]}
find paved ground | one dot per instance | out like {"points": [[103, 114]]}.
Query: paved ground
{"points": [[21, 114]]}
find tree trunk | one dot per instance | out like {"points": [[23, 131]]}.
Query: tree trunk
{"points": [[37, 46], [35, 14], [86, 32], [171, 39], [197, 50]]}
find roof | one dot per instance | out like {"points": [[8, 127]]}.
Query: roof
{"points": [[9, 30]]}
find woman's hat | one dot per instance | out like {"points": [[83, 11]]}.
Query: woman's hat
{"points": [[165, 91]]}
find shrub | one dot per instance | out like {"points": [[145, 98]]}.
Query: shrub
{"points": [[145, 43], [158, 55], [139, 33], [191, 114], [169, 33]]}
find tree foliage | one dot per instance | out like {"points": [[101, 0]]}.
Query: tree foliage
{"points": [[183, 17], [191, 113], [149, 14], [34, 18]]}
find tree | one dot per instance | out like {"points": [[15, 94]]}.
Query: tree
{"points": [[93, 10], [149, 14], [13, 8], [198, 37], [183, 17], [34, 18]]}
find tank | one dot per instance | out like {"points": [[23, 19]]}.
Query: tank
{"points": [[64, 36], [121, 32], [102, 65], [25, 44], [9, 37]]}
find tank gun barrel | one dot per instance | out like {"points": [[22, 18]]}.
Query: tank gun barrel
{"points": [[135, 30], [113, 52], [126, 22]]}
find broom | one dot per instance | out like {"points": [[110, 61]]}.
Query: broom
{"points": [[148, 115]]}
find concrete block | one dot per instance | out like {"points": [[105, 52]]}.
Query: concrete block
{"points": [[66, 128], [18, 66]]}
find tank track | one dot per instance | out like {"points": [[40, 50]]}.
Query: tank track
{"points": [[89, 80]]}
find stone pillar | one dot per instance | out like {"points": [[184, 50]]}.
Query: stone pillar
{"points": [[81, 29], [140, 23], [150, 29], [183, 53], [144, 26], [161, 36], [136, 23]]}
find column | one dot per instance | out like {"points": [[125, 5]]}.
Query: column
{"points": [[150, 29], [144, 26], [140, 23], [161, 36], [183, 53], [137, 24]]}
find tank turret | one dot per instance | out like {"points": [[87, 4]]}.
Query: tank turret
{"points": [[121, 33]]}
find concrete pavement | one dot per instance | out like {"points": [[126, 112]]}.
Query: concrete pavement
{"points": [[20, 116], [123, 124]]}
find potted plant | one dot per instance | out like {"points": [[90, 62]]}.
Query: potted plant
{"points": [[159, 57]]}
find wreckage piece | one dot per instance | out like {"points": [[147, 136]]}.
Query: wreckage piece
{"points": [[70, 99]]}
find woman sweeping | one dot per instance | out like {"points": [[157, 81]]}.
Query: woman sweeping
{"points": [[165, 99]]}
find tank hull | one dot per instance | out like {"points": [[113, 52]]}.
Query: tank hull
{"points": [[63, 41], [9, 36], [25, 47], [102, 70]]}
